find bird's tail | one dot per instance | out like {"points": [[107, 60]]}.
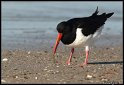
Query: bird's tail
{"points": [[109, 15], [104, 14], [96, 12]]}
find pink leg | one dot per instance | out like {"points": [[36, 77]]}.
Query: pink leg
{"points": [[86, 59], [69, 59]]}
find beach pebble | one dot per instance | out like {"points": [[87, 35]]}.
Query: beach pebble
{"points": [[29, 52], [57, 71], [5, 59], [3, 81], [45, 69], [57, 66], [36, 78], [16, 77], [113, 64], [89, 76], [103, 65], [104, 79]]}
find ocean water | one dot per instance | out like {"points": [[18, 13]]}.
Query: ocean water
{"points": [[33, 24]]}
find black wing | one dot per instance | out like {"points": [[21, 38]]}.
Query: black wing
{"points": [[90, 24], [93, 23]]}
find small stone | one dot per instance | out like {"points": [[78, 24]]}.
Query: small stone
{"points": [[57, 71], [89, 76], [36, 78], [3, 81], [5, 59], [57, 66], [103, 65], [45, 69], [113, 64], [104, 79], [16, 77], [29, 52]]}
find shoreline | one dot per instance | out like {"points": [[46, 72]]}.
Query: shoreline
{"points": [[48, 43]]}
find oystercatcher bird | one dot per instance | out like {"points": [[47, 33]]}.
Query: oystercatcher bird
{"points": [[77, 31]]}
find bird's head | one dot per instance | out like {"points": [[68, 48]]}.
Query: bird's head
{"points": [[60, 28]]}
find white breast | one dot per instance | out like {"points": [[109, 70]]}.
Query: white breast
{"points": [[80, 38]]}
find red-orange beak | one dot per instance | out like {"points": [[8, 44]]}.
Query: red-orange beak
{"points": [[57, 42]]}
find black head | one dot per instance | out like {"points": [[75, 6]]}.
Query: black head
{"points": [[61, 26]]}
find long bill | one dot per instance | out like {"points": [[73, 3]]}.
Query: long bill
{"points": [[57, 42]]}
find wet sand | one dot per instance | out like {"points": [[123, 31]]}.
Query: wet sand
{"points": [[37, 66]]}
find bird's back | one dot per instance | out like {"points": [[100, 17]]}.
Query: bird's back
{"points": [[89, 24]]}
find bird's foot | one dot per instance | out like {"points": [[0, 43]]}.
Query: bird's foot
{"points": [[68, 63], [83, 64]]}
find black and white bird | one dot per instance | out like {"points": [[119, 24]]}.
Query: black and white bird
{"points": [[77, 31]]}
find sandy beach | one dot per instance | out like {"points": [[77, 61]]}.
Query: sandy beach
{"points": [[24, 66]]}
